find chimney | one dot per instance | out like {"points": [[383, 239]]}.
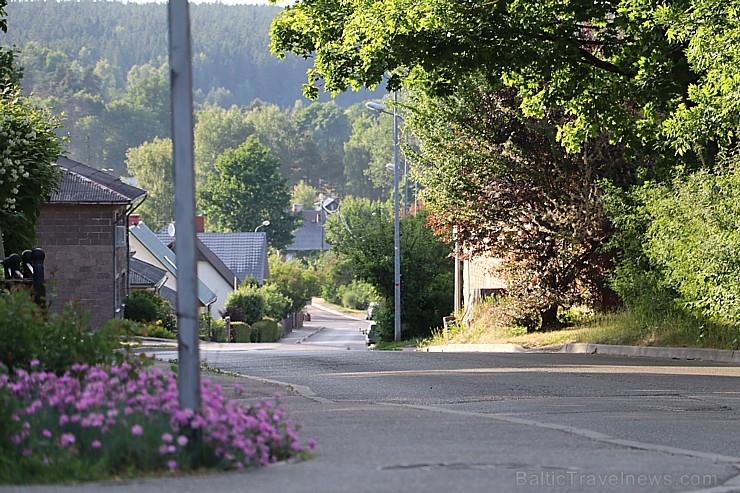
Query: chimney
{"points": [[133, 219], [200, 224]]}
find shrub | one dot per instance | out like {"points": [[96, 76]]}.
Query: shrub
{"points": [[62, 341], [90, 424], [269, 330], [294, 280], [160, 332], [249, 300], [149, 308], [277, 305], [357, 295], [241, 332], [208, 326]]}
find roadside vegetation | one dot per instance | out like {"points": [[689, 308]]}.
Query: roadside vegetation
{"points": [[78, 405], [489, 325]]}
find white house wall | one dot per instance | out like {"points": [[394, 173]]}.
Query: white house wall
{"points": [[211, 278]]}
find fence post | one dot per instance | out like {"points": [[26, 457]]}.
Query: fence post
{"points": [[39, 287]]}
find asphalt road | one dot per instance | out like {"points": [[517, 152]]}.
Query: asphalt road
{"points": [[499, 422]]}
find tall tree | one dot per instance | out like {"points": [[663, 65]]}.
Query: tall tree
{"points": [[247, 189], [217, 129], [514, 193], [151, 165], [610, 70], [29, 148], [277, 130]]}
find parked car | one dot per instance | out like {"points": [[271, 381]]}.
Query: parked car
{"points": [[371, 335], [371, 310]]}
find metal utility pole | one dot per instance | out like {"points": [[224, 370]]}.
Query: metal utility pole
{"points": [[396, 227], [182, 145]]}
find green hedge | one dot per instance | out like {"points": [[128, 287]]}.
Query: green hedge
{"points": [[268, 330], [241, 332]]}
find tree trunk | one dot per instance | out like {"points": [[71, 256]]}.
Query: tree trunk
{"points": [[549, 318]]}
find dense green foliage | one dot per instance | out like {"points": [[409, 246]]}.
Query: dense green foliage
{"points": [[57, 343], [631, 92], [267, 330], [250, 302], [149, 308], [692, 240], [363, 233], [151, 166], [294, 280], [247, 188]]}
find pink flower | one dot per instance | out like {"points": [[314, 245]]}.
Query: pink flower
{"points": [[166, 438], [137, 430], [182, 440], [34, 363], [67, 439], [172, 464], [46, 433], [96, 444], [311, 444]]}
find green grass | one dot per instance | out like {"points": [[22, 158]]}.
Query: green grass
{"points": [[620, 328], [398, 346]]}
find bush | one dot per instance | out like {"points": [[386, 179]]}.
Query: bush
{"points": [[241, 332], [357, 295], [296, 281], [277, 305], [62, 341], [149, 308], [269, 330], [249, 300]]}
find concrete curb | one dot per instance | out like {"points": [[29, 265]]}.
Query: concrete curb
{"points": [[722, 355], [475, 348], [302, 339]]}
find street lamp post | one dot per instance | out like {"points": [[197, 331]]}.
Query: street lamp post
{"points": [[266, 222], [396, 219]]}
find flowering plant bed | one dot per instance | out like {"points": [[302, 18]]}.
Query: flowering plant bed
{"points": [[96, 422]]}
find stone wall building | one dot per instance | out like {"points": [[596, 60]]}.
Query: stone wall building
{"points": [[83, 230]]}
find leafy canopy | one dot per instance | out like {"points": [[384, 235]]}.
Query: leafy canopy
{"points": [[246, 189]]}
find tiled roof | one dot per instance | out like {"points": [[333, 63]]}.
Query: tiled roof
{"points": [[203, 253], [142, 274], [82, 184], [310, 235], [245, 254], [167, 258]]}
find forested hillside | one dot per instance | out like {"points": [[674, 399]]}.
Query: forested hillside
{"points": [[103, 67], [231, 59]]}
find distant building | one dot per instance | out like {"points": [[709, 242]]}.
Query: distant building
{"points": [[146, 247], [82, 229]]}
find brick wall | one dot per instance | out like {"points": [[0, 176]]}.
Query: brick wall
{"points": [[82, 263]]}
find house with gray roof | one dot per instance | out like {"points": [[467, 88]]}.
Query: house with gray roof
{"points": [[245, 254], [310, 235], [146, 247], [143, 276], [82, 229]]}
